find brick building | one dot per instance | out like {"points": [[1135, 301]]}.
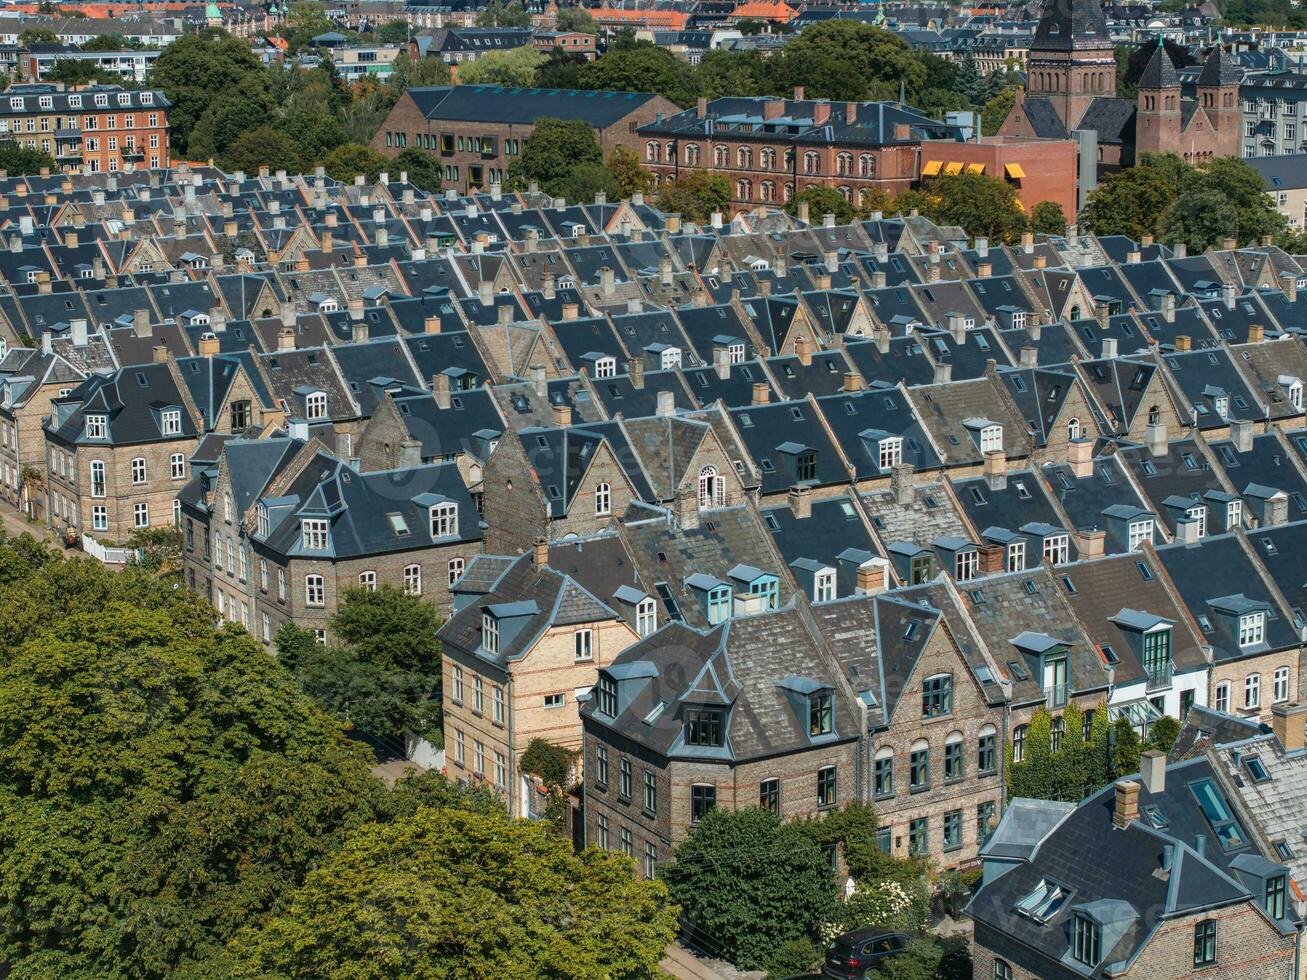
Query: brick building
{"points": [[770, 148], [99, 128], [1038, 169], [476, 131]]}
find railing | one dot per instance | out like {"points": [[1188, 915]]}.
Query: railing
{"points": [[1159, 676], [107, 555], [1055, 696]]}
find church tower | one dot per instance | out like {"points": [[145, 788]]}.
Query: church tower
{"points": [[1071, 60], [1157, 114], [1218, 95]]}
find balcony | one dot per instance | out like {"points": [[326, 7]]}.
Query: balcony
{"points": [[1159, 675], [1055, 696]]}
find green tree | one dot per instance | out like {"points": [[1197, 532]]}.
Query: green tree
{"points": [[195, 71], [110, 42], [577, 19], [970, 82], [512, 68], [980, 204], [423, 169], [247, 107], [697, 196], [849, 60], [389, 627], [723, 73], [560, 69], [751, 882], [641, 67], [996, 110], [1125, 753], [313, 134], [793, 957], [262, 147], [1131, 202], [1219, 198], [21, 161], [920, 962], [305, 21], [393, 32], [37, 35], [160, 549], [350, 159], [499, 14], [77, 71], [1046, 218], [628, 174], [454, 893], [1163, 733], [822, 201], [552, 152]]}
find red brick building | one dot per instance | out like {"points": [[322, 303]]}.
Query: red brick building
{"points": [[90, 130], [772, 148], [1038, 169]]}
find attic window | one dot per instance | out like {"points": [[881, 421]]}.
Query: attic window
{"points": [[1256, 769], [1044, 902], [1156, 817], [398, 524]]}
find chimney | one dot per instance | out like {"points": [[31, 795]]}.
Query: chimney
{"points": [[1229, 244], [1127, 804], [635, 371], [1027, 242], [356, 308], [1180, 250], [873, 576], [70, 238], [902, 483], [536, 375], [1287, 722], [288, 314], [957, 327], [431, 324], [984, 269], [803, 212], [1290, 286], [486, 292], [286, 339], [801, 502], [1229, 292], [606, 280], [208, 345], [1158, 444], [685, 508], [358, 333], [1168, 307], [562, 415], [665, 271], [1183, 342], [79, 332], [410, 454], [996, 469], [571, 311], [761, 393], [1187, 531], [1080, 457], [1241, 434], [141, 323], [1089, 542], [721, 362], [1041, 261], [1132, 257], [1145, 241], [548, 286], [852, 381], [943, 373], [803, 351], [1152, 771], [540, 553], [665, 407], [1256, 333], [43, 282], [440, 389], [160, 353], [505, 314], [701, 110], [673, 223]]}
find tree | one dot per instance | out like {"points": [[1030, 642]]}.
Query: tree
{"points": [[750, 26], [21, 161], [499, 14], [512, 68], [265, 146], [454, 893], [1046, 218], [306, 20], [313, 134], [793, 957], [697, 196], [980, 204], [247, 107], [37, 35], [996, 111], [627, 173], [849, 60], [1131, 202], [160, 549], [560, 69], [552, 763], [751, 882], [78, 71], [346, 161], [423, 169], [393, 32], [1163, 733], [195, 71], [822, 201], [552, 152], [110, 42], [641, 67], [919, 963], [970, 82], [577, 19], [1125, 753], [389, 627]]}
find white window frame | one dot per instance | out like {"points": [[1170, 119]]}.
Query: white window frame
{"points": [[1280, 690], [315, 591], [583, 646], [138, 471], [97, 426], [891, 452], [315, 406], [315, 534], [368, 580], [646, 616], [177, 466], [443, 520], [1252, 629], [1221, 699], [1137, 532], [823, 585], [171, 421], [1016, 556], [603, 500], [991, 438], [140, 514], [1252, 691], [413, 579]]}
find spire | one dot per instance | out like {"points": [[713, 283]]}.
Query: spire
{"points": [[1160, 73], [1065, 25], [1218, 70]]}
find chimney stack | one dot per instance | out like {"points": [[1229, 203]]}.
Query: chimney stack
{"points": [[540, 553], [902, 483], [873, 576], [761, 393], [800, 500], [440, 389], [1126, 810], [1152, 771], [1287, 721]]}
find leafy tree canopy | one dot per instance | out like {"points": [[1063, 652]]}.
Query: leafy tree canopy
{"points": [[512, 68], [423, 169], [350, 159], [554, 149]]}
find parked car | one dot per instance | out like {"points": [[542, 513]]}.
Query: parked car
{"points": [[851, 955]]}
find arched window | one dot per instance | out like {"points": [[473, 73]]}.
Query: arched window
{"points": [[866, 165], [1075, 312], [844, 164], [883, 773], [721, 156], [603, 500], [1154, 415], [651, 151], [1019, 743], [744, 190], [712, 489], [767, 191], [767, 158], [788, 191], [1073, 429], [691, 154], [811, 163], [671, 151], [846, 192], [744, 157]]}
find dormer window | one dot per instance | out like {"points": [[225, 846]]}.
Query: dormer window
{"points": [[821, 713], [966, 565], [1139, 532], [444, 520], [1198, 515], [719, 604], [490, 634], [1016, 557], [1057, 549], [263, 523], [991, 439], [670, 358], [1275, 892], [735, 353], [171, 421], [96, 426], [1233, 514], [768, 587], [101, 100], [147, 98], [315, 406], [328, 306], [703, 727], [646, 617], [1252, 629], [823, 585], [805, 466], [1221, 405], [606, 696], [314, 535], [74, 102], [605, 367], [1086, 940], [1157, 657], [891, 452]]}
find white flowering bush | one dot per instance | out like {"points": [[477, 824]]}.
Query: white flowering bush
{"points": [[891, 904]]}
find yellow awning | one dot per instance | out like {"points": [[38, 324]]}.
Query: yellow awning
{"points": [[1014, 171], [953, 168], [975, 168], [931, 168]]}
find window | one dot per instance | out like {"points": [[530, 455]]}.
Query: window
{"points": [[583, 645], [805, 467], [1223, 696], [1252, 691], [769, 795], [1205, 943], [702, 799], [456, 567], [985, 814], [489, 633], [100, 518], [719, 605], [497, 698], [171, 421], [97, 478], [1139, 532], [555, 700], [821, 713], [1252, 629], [952, 830], [1086, 938], [1057, 549], [1281, 689], [712, 489], [1157, 657], [624, 779], [606, 696], [826, 788], [460, 746], [479, 757], [177, 466], [140, 515], [703, 726], [883, 784], [501, 771], [602, 832], [478, 695], [1217, 811], [650, 860], [919, 837], [986, 750], [603, 500], [96, 426], [315, 406], [919, 766], [991, 438], [823, 585], [953, 766], [891, 452], [1275, 897], [138, 470], [444, 520], [1016, 556], [315, 590], [413, 579], [646, 617], [314, 535], [650, 793], [1019, 743], [937, 696], [1057, 733]]}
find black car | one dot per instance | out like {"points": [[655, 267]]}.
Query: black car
{"points": [[851, 955]]}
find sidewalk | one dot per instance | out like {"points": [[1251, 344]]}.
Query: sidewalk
{"points": [[16, 524], [679, 962]]}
